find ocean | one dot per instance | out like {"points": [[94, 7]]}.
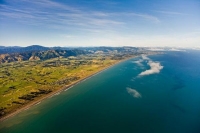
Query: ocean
{"points": [[148, 94]]}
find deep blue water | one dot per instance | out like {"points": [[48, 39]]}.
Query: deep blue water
{"points": [[119, 100]]}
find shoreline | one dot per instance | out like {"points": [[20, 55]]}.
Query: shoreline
{"points": [[64, 88]]}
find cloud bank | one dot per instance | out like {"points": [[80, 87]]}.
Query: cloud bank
{"points": [[144, 57], [139, 62], [134, 93], [155, 67]]}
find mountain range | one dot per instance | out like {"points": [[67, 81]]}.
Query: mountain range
{"points": [[17, 49], [37, 52], [39, 55]]}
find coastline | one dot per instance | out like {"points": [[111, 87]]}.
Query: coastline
{"points": [[65, 88]]}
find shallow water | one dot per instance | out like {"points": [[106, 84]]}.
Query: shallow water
{"points": [[164, 102]]}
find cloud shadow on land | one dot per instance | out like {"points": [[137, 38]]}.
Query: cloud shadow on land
{"points": [[134, 93]]}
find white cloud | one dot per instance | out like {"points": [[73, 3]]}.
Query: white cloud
{"points": [[147, 17], [67, 36], [175, 49], [93, 27], [138, 62], [144, 57], [171, 13], [54, 14], [172, 40], [134, 93], [155, 67]]}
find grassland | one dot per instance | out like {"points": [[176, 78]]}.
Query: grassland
{"points": [[22, 83]]}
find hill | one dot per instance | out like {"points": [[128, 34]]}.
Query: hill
{"points": [[39, 55], [16, 49]]}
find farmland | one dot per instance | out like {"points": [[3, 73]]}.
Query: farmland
{"points": [[26, 81]]}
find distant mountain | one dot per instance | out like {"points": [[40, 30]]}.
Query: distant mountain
{"points": [[16, 49], [36, 48], [1, 47], [39, 55], [36, 52], [110, 49]]}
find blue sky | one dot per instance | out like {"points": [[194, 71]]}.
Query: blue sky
{"points": [[100, 22]]}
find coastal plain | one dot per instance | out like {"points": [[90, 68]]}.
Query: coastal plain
{"points": [[24, 83]]}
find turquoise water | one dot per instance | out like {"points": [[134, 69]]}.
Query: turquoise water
{"points": [[119, 100]]}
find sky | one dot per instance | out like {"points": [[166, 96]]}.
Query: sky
{"points": [[82, 23]]}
